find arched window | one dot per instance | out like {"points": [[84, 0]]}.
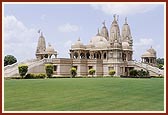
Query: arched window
{"points": [[75, 55], [88, 55], [104, 56], [94, 55], [82, 55]]}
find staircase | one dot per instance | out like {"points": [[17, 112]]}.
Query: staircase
{"points": [[154, 71], [12, 70]]}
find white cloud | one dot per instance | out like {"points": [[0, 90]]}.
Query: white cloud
{"points": [[144, 42], [68, 28], [19, 40], [123, 9]]}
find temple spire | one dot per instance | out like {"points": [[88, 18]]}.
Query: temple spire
{"points": [[98, 33], [41, 33], [103, 23], [114, 17], [125, 20], [117, 18], [79, 39]]}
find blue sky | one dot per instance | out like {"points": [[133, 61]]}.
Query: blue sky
{"points": [[63, 24]]}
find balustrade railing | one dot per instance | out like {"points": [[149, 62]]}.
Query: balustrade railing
{"points": [[11, 70], [148, 67]]}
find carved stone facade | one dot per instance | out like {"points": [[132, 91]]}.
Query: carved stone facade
{"points": [[42, 51], [107, 50], [114, 50]]}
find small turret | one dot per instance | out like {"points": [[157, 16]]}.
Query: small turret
{"points": [[104, 32], [98, 33], [114, 30], [126, 33], [41, 46]]}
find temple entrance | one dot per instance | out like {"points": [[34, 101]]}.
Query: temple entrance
{"points": [[127, 70]]}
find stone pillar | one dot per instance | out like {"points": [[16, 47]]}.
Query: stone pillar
{"points": [[85, 55], [55, 55], [78, 55], [101, 53], [126, 56]]}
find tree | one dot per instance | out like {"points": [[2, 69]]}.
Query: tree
{"points": [[23, 68], [160, 66], [73, 71], [9, 59], [91, 71], [160, 63], [112, 72], [49, 69]]}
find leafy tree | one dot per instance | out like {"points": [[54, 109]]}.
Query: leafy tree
{"points": [[160, 66], [9, 59], [73, 71], [23, 68], [49, 69], [112, 72], [160, 61], [91, 71]]}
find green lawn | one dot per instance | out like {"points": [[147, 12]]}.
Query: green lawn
{"points": [[84, 94]]}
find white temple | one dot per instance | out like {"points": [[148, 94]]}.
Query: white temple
{"points": [[108, 49]]}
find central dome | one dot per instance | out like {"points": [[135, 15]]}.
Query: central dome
{"points": [[99, 42]]}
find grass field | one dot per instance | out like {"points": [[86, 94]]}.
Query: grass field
{"points": [[84, 94]]}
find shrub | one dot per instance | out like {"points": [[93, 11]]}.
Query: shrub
{"points": [[157, 76], [41, 75], [23, 68], [133, 72], [73, 71], [112, 72], [142, 73], [139, 73], [30, 76], [49, 69], [35, 76], [91, 71]]}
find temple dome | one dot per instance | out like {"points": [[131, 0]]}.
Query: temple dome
{"points": [[148, 54], [101, 44], [78, 44], [90, 45], [151, 50], [99, 41], [50, 49]]}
